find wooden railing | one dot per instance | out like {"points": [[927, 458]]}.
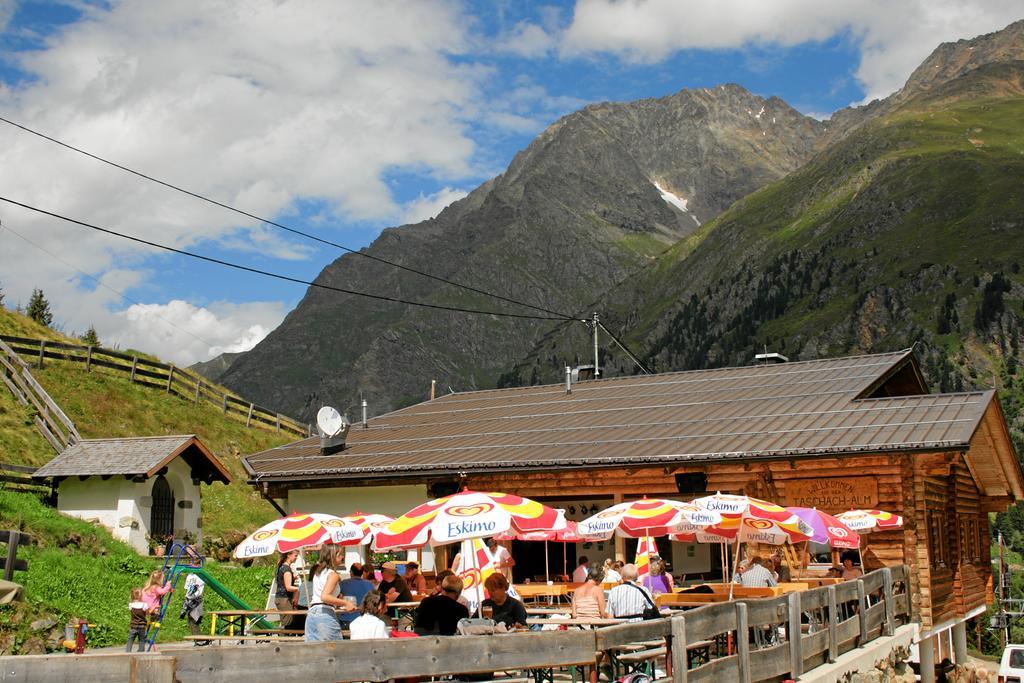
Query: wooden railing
{"points": [[56, 427], [163, 376], [763, 639], [9, 561], [19, 478]]}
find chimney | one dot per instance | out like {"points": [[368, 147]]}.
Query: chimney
{"points": [[433, 389], [365, 425], [770, 359], [568, 379]]}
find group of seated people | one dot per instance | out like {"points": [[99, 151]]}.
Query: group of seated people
{"points": [[361, 603]]}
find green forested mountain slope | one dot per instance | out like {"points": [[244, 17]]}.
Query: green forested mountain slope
{"points": [[907, 231]]}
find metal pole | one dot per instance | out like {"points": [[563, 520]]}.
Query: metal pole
{"points": [[597, 368]]}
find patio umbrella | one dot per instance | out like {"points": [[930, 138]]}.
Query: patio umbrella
{"points": [[369, 523], [464, 516], [297, 531], [565, 535], [752, 520], [644, 549], [828, 530], [473, 577], [866, 521], [646, 517]]}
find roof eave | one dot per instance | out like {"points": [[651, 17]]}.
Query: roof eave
{"points": [[435, 470]]}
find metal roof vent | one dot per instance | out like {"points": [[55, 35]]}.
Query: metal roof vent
{"points": [[333, 429], [770, 358], [581, 373]]}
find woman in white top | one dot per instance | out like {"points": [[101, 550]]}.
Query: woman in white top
{"points": [[369, 624], [611, 571], [322, 620]]}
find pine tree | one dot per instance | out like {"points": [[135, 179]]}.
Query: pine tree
{"points": [[39, 308], [90, 337]]}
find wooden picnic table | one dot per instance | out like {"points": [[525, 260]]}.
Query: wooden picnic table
{"points": [[244, 618], [548, 610], [581, 621]]}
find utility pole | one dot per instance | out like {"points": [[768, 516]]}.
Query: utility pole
{"points": [[1004, 622], [597, 367]]}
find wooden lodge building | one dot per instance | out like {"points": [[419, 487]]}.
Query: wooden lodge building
{"points": [[834, 434]]}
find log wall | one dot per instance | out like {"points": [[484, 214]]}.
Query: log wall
{"points": [[943, 541]]}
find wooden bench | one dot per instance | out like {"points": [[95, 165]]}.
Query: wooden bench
{"points": [[241, 639], [278, 631]]}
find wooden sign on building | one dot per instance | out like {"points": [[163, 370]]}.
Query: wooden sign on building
{"points": [[833, 495]]}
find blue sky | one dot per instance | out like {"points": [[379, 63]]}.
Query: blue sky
{"points": [[342, 119]]}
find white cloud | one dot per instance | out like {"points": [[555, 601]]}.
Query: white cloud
{"points": [[254, 104], [894, 38], [184, 333], [526, 40], [428, 206]]}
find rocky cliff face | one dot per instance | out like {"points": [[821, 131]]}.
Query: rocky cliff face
{"points": [[907, 231], [595, 197]]}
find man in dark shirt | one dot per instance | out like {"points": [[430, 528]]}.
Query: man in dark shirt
{"points": [[504, 609], [392, 586], [440, 614], [355, 589]]}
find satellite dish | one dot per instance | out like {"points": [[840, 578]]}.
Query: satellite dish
{"points": [[330, 422]]}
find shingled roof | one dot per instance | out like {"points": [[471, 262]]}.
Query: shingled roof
{"points": [[840, 405], [142, 456]]}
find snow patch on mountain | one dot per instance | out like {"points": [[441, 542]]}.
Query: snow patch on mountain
{"points": [[676, 201]]}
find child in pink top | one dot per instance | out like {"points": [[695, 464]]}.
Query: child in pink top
{"points": [[154, 590]]}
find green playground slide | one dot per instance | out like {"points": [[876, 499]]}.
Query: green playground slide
{"points": [[220, 589]]}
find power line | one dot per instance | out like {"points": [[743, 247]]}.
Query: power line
{"points": [[622, 346], [242, 212], [277, 276], [102, 284]]}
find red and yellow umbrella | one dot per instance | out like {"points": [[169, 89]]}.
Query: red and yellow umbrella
{"points": [[465, 515], [751, 520], [647, 517], [369, 523], [863, 521], [297, 531]]}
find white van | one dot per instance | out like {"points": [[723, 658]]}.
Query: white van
{"points": [[1011, 669]]}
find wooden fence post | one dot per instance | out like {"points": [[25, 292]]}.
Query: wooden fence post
{"points": [[153, 669], [135, 364], [42, 351], [248, 418], [862, 619], [170, 377], [12, 554], [199, 384], [793, 632], [225, 404], [88, 359], [890, 604], [279, 422], [833, 621], [742, 642], [679, 660]]}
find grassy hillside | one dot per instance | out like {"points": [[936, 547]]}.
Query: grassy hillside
{"points": [[104, 403], [77, 570]]}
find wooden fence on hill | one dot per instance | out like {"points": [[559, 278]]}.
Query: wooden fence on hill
{"points": [[163, 376], [50, 420], [745, 640]]}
